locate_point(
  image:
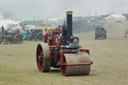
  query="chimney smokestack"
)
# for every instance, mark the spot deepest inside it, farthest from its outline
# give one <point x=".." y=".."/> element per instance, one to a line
<point x="69" y="23"/>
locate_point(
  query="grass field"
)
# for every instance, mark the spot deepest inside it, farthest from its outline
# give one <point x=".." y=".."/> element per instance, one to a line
<point x="110" y="57"/>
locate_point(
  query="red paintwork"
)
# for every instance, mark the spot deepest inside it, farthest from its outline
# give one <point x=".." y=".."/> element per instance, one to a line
<point x="39" y="53"/>
<point x="85" y="50"/>
<point x="54" y="42"/>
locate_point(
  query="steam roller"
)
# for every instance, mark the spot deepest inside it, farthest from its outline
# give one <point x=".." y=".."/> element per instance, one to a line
<point x="62" y="50"/>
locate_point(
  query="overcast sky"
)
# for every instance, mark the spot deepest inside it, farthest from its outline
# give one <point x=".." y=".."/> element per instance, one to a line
<point x="42" y="9"/>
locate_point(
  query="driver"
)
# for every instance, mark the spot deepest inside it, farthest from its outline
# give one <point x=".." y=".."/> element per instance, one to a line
<point x="47" y="34"/>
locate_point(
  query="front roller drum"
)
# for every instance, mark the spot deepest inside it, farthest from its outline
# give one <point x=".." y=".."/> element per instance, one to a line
<point x="77" y="64"/>
<point x="42" y="58"/>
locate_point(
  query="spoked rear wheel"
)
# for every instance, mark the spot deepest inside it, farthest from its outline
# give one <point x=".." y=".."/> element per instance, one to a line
<point x="42" y="58"/>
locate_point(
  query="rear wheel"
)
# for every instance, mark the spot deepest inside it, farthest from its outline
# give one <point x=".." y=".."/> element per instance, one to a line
<point x="42" y="58"/>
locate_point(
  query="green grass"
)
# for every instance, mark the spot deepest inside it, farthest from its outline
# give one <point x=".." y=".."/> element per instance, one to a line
<point x="110" y="57"/>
